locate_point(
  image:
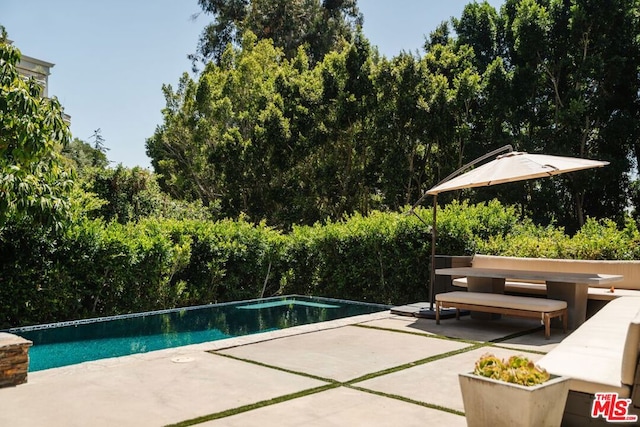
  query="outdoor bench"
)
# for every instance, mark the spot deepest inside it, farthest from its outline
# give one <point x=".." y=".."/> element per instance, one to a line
<point x="629" y="286"/>
<point x="509" y="305"/>
<point x="601" y="356"/>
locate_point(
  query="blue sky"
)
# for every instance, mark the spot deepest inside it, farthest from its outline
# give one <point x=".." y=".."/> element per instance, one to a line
<point x="112" y="57"/>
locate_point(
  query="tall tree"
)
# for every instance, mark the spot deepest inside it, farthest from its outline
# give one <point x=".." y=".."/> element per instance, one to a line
<point x="559" y="77"/>
<point x="83" y="155"/>
<point x="479" y="27"/>
<point x="319" y="25"/>
<point x="402" y="147"/>
<point x="220" y="134"/>
<point x="34" y="182"/>
<point x="575" y="88"/>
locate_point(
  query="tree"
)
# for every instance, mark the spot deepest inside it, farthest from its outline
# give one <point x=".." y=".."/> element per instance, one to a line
<point x="559" y="77"/>
<point x="402" y="147"/>
<point x="220" y="134"/>
<point x="34" y="181"/>
<point x="319" y="25"/>
<point x="83" y="155"/>
<point x="283" y="134"/>
<point x="479" y="27"/>
<point x="574" y="91"/>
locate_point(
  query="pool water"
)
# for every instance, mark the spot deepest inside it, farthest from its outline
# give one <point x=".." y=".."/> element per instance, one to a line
<point x="68" y="343"/>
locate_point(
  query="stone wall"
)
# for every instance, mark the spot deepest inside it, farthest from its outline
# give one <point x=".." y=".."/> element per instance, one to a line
<point x="14" y="359"/>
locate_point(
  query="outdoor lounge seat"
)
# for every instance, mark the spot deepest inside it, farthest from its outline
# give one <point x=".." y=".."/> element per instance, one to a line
<point x="509" y="305"/>
<point x="601" y="356"/>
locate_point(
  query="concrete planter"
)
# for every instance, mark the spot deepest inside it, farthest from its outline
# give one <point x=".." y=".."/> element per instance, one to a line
<point x="489" y="402"/>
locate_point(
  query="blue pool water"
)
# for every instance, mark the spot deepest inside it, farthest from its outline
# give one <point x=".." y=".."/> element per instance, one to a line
<point x="68" y="343"/>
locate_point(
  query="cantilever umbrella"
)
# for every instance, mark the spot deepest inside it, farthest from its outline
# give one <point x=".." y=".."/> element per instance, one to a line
<point x="510" y="167"/>
<point x="515" y="166"/>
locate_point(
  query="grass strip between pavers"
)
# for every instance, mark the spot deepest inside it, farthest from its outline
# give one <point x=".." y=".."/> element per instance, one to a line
<point x="252" y="406"/>
<point x="412" y="364"/>
<point x="406" y="399"/>
<point x="419" y="334"/>
<point x="277" y="368"/>
<point x="517" y="334"/>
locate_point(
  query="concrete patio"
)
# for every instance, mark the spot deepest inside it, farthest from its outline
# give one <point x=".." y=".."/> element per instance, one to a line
<point x="374" y="370"/>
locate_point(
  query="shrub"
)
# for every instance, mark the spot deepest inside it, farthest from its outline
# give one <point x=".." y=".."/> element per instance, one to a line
<point x="98" y="269"/>
<point x="381" y="258"/>
<point x="515" y="370"/>
<point x="603" y="240"/>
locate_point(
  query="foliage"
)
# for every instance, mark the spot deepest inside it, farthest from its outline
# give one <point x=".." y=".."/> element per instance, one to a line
<point x="604" y="240"/>
<point x="285" y="134"/>
<point x="34" y="182"/>
<point x="380" y="258"/>
<point x="526" y="239"/>
<point x="97" y="268"/>
<point x="273" y="139"/>
<point x="83" y="156"/>
<point x="320" y="26"/>
<point x="515" y="370"/>
<point x="130" y="194"/>
<point x="462" y="227"/>
<point x="563" y="87"/>
<point x="597" y="239"/>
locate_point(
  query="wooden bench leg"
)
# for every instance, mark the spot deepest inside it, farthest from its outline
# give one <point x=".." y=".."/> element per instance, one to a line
<point x="437" y="312"/>
<point x="565" y="321"/>
<point x="547" y="325"/>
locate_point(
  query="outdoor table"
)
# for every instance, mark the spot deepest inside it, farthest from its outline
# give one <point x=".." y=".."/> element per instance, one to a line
<point x="570" y="287"/>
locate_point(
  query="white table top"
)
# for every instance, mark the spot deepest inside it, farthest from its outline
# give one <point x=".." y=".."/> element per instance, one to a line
<point x="546" y="276"/>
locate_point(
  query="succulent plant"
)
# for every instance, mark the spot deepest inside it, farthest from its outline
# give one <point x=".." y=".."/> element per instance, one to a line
<point x="516" y="370"/>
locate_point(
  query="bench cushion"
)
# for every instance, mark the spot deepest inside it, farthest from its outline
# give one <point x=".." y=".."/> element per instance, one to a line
<point x="629" y="269"/>
<point x="503" y="301"/>
<point x="598" y="356"/>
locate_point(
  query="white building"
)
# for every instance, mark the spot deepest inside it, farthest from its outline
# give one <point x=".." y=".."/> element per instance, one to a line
<point x="38" y="69"/>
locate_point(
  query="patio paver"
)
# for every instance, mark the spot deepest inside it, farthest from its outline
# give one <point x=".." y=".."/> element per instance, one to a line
<point x="346" y="353"/>
<point x="143" y="392"/>
<point x="465" y="328"/>
<point x="436" y="382"/>
<point x="341" y="407"/>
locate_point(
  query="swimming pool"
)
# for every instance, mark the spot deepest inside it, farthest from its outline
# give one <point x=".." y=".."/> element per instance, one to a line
<point x="68" y="343"/>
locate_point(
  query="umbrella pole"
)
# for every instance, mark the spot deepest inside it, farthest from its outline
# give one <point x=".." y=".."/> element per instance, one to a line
<point x="434" y="232"/>
<point x="431" y="312"/>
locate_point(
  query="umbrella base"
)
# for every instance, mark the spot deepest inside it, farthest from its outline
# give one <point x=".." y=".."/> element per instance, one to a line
<point x="447" y="313"/>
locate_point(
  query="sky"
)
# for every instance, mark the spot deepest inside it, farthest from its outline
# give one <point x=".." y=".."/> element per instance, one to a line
<point x="112" y="57"/>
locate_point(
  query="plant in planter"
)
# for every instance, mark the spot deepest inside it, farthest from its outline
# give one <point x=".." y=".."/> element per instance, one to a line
<point x="513" y="392"/>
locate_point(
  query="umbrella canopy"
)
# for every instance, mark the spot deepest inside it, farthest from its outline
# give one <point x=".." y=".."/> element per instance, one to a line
<point x="515" y="166"/>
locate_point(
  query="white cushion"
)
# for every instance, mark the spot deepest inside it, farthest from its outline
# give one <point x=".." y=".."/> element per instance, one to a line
<point x="629" y="269"/>
<point x="502" y="301"/>
<point x="592" y="356"/>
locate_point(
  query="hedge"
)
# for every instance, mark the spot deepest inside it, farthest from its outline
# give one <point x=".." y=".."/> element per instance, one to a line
<point x="98" y="269"/>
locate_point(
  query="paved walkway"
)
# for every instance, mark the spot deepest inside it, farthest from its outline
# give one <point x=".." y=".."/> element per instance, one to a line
<point x="373" y="370"/>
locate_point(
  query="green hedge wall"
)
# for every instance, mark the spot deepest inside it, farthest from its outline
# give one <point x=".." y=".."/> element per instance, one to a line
<point x="97" y="269"/>
<point x="381" y="258"/>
